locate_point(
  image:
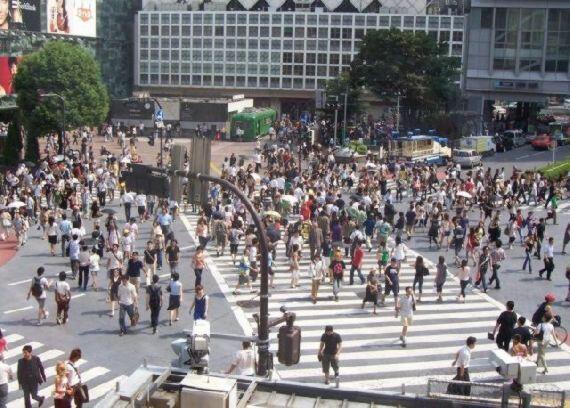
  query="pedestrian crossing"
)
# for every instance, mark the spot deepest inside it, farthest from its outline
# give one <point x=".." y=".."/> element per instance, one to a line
<point x="100" y="380"/>
<point x="372" y="355"/>
<point x="563" y="207"/>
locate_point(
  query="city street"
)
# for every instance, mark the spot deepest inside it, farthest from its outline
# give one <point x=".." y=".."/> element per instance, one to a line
<point x="372" y="356"/>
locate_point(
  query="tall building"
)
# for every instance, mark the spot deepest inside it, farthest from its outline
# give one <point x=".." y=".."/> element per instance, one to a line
<point x="279" y="55"/>
<point x="517" y="50"/>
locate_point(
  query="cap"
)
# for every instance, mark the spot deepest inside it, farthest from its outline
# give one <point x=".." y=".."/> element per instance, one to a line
<point x="550" y="297"/>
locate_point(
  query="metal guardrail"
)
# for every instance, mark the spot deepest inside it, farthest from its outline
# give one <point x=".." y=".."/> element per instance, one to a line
<point x="490" y="393"/>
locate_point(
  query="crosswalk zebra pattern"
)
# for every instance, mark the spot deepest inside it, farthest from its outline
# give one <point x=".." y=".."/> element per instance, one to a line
<point x="100" y="380"/>
<point x="372" y="355"/>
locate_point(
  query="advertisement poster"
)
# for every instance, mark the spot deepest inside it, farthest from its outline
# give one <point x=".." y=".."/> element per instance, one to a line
<point x="20" y="15"/>
<point x="72" y="17"/>
<point x="8" y="68"/>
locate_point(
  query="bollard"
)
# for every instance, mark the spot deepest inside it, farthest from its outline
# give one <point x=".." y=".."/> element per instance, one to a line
<point x="403" y="389"/>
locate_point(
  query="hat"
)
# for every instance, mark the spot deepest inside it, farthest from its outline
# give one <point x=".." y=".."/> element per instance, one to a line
<point x="550" y="297"/>
<point x="393" y="259"/>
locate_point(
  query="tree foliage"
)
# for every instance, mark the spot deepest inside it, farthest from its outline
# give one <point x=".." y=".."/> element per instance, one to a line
<point x="13" y="144"/>
<point x="413" y="65"/>
<point x="66" y="69"/>
<point x="338" y="87"/>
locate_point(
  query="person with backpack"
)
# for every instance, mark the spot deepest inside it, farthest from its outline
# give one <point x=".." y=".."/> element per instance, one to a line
<point x="38" y="290"/>
<point x="221" y="236"/>
<point x="154" y="301"/>
<point x="62" y="298"/>
<point x="337" y="267"/>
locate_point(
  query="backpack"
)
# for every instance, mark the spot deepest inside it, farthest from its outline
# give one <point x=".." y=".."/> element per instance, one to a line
<point x="220" y="228"/>
<point x="154" y="296"/>
<point x="37" y="289"/>
<point x="337" y="270"/>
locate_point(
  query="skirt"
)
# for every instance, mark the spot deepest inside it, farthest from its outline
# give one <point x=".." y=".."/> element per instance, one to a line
<point x="174" y="302"/>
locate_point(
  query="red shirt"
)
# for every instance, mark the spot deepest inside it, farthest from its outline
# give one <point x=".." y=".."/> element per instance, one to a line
<point x="357" y="257"/>
<point x="306" y="210"/>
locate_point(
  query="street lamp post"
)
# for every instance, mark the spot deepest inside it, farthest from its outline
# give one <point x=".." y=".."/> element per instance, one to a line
<point x="335" y="117"/>
<point x="264" y="357"/>
<point x="61" y="147"/>
<point x="344" y="117"/>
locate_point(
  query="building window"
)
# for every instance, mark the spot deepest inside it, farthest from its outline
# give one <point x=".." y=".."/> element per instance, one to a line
<point x="276" y="32"/>
<point x="298" y="83"/>
<point x="231" y="31"/>
<point x="298" y="70"/>
<point x="486" y="17"/>
<point x="312" y="32"/>
<point x="240" y="82"/>
<point x="264" y="32"/>
<point x="219" y="31"/>
<point x="287" y="70"/>
<point x="310" y="70"/>
<point x="286" y="82"/>
<point x="506" y="38"/>
<point x="241" y="31"/>
<point x="185" y="79"/>
<point x="253" y="31"/>
<point x="144" y="30"/>
<point x="558" y="41"/>
<point x="263" y="82"/>
<point x="275" y="83"/>
<point x="230" y="81"/>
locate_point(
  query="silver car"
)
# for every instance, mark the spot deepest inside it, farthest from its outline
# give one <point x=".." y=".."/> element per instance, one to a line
<point x="466" y="158"/>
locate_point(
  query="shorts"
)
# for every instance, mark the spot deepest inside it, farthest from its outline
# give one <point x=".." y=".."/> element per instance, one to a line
<point x="52" y="239"/>
<point x="406" y="320"/>
<point x="327" y="361"/>
<point x="135" y="280"/>
<point x="233" y="249"/>
<point x="141" y="210"/>
<point x="395" y="289"/>
<point x="41" y="302"/>
<point x="243" y="279"/>
<point x="94" y="273"/>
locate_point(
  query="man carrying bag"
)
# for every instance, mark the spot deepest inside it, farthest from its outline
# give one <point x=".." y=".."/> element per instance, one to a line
<point x="462" y="360"/>
<point x="80" y="390"/>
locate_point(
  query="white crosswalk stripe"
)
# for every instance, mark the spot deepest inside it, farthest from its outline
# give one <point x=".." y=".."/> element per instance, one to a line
<point x="99" y="379"/>
<point x="372" y="356"/>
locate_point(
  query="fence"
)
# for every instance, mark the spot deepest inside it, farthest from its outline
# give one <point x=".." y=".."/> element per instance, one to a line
<point x="539" y="396"/>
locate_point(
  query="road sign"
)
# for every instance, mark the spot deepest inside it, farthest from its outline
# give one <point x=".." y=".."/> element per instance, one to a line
<point x="159" y="115"/>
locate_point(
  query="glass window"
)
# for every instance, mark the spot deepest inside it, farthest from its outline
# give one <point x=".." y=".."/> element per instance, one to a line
<point x="207" y="43"/>
<point x="252" y="56"/>
<point x="197" y="31"/>
<point x="154" y="30"/>
<point x="287" y="57"/>
<point x="286" y="83"/>
<point x="263" y="69"/>
<point x="288" y="19"/>
<point x="275" y="44"/>
<point x="253" y="19"/>
<point x="154" y="55"/>
<point x="154" y="67"/>
<point x="299" y="19"/>
<point x="240" y="56"/>
<point x="241" y="43"/>
<point x="207" y="55"/>
<point x="143" y="54"/>
<point x="241" y="31"/>
<point x="196" y="80"/>
<point x="311" y="45"/>
<point x="165" y="43"/>
<point x="371" y="21"/>
<point x="230" y="80"/>
<point x="196" y="55"/>
<point x="240" y="69"/>
<point x="230" y="68"/>
<point x="408" y="21"/>
<point x="144" y="18"/>
<point x="276" y="19"/>
<point x="230" y="56"/>
<point x="323" y="32"/>
<point x="263" y="57"/>
<point x="444" y="36"/>
<point x="310" y="70"/>
<point x="219" y="43"/>
<point x="174" y="31"/>
<point x="174" y="43"/>
<point x="347" y="20"/>
<point x="143" y="42"/>
<point x="359" y="33"/>
<point x="185" y="68"/>
<point x="347" y="33"/>
<point x="312" y="32"/>
<point x="252" y="82"/>
<point x="287" y="70"/>
<point x="275" y="69"/>
<point x="288" y="32"/>
<point x="174" y="55"/>
<point x="396" y="21"/>
<point x="253" y="31"/>
<point x="322" y="59"/>
<point x="346" y="59"/>
<point x="218" y="55"/>
<point x="335" y="20"/>
<point x="174" y="68"/>
<point x="310" y="83"/>
<point x="323" y="19"/>
<point x="298" y="58"/>
<point x="154" y="18"/>
<point x="154" y="43"/>
<point x="230" y="43"/>
<point x="322" y="71"/>
<point x="263" y="82"/>
<point x="420" y="22"/>
<point x="144" y="30"/>
<point x="165" y="18"/>
<point x="300" y="45"/>
<point x="312" y="19"/>
<point x="311" y="58"/>
<point x="287" y="44"/>
<point x="185" y="18"/>
<point x="275" y="83"/>
<point x="219" y="31"/>
<point x="323" y="45"/>
<point x="231" y="31"/>
<point x="275" y="57"/>
<point x="253" y="44"/>
<point x="252" y="69"/>
<point x="154" y="78"/>
<point x="334" y="59"/>
<point x="384" y="21"/>
<point x="264" y="32"/>
<point x="197" y="18"/>
<point x="186" y="31"/>
<point x="334" y="45"/>
<point x="208" y="19"/>
<point x="446" y="22"/>
<point x="276" y="32"/>
<point x="298" y="83"/>
<point x="264" y="44"/>
<point x="185" y="79"/>
<point x="299" y="32"/>
<point x="231" y="18"/>
<point x="433" y="22"/>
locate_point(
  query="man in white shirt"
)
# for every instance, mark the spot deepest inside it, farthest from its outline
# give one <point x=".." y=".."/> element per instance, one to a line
<point x="405" y="309"/>
<point x="244" y="361"/>
<point x="38" y="289"/>
<point x="115" y="260"/>
<point x="548" y="259"/>
<point x="462" y="360"/>
<point x="6" y="376"/>
<point x="127" y="294"/>
<point x="127" y="201"/>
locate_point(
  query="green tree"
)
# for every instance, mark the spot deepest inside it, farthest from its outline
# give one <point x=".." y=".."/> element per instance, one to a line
<point x="413" y="65"/>
<point x="13" y="144"/>
<point x="66" y="69"/>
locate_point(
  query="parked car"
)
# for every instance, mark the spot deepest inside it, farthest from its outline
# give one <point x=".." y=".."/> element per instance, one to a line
<point x="530" y="137"/>
<point x="516" y="136"/>
<point x="542" y="142"/>
<point x="466" y="158"/>
<point x="503" y="144"/>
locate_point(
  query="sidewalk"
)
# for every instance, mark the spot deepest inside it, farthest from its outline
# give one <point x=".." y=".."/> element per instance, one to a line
<point x="8" y="250"/>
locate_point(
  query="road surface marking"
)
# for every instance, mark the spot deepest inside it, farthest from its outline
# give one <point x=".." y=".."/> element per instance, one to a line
<point x="18" y="310"/>
<point x="19" y="282"/>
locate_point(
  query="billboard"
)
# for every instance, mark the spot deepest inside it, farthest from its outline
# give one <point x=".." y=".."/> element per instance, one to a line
<point x="132" y="109"/>
<point x="8" y="68"/>
<point x="203" y="112"/>
<point x="72" y="17"/>
<point x="20" y="14"/>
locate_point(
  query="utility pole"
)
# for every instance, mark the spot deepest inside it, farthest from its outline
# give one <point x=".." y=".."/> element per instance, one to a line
<point x="398" y="114"/>
<point x="345" y="110"/>
<point x="335" y="117"/>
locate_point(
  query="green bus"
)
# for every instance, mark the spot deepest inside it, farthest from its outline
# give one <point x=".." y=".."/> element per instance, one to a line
<point x="253" y="122"/>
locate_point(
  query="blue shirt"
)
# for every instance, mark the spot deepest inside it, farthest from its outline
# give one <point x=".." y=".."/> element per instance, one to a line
<point x="164" y="219"/>
<point x="65" y="227"/>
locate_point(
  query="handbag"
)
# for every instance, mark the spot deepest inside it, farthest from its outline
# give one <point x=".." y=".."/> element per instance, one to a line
<point x="135" y="317"/>
<point x="490" y="336"/>
<point x="425" y="271"/>
<point x="80" y="391"/>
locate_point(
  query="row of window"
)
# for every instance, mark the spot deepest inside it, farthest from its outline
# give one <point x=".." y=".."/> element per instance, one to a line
<point x="290" y="19"/>
<point x="284" y="70"/>
<point x="233" y="81"/>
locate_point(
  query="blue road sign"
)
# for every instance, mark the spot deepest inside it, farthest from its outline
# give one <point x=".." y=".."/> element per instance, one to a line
<point x="159" y="115"/>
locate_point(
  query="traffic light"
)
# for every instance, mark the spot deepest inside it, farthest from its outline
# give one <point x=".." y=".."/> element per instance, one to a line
<point x="289" y="347"/>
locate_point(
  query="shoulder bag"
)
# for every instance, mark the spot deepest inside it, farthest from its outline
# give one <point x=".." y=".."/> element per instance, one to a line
<point x="80" y="390"/>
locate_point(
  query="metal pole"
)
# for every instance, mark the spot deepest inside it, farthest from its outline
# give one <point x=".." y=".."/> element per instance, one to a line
<point x="63" y="125"/>
<point x="263" y="328"/>
<point x="335" y="121"/>
<point x="161" y="135"/>
<point x="398" y="114"/>
<point x="344" y="117"/>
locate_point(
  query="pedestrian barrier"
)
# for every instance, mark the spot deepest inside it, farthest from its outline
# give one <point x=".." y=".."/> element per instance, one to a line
<point x="493" y="393"/>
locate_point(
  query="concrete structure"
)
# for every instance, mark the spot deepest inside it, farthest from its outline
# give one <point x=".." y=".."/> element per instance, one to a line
<point x="517" y="50"/>
<point x="272" y="56"/>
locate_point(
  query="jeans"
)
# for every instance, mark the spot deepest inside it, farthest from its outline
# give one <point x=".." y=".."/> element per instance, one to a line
<point x="127" y="211"/>
<point x="173" y="267"/>
<point x="357" y="269"/>
<point x="83" y="277"/>
<point x="419" y="279"/>
<point x="128" y="309"/>
<point x="3" y="395"/>
<point x="198" y="273"/>
<point x="154" y="311"/>
<point x="482" y="280"/>
<point x="495" y="277"/>
<point x="159" y="258"/>
<point x="30" y="391"/>
<point x="527" y="260"/>
<point x="337" y="282"/>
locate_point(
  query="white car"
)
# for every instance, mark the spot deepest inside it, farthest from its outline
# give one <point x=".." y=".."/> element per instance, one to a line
<point x="466" y="158"/>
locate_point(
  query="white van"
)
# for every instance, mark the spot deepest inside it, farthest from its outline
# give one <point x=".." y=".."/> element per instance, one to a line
<point x="484" y="145"/>
<point x="466" y="158"/>
<point x="516" y="136"/>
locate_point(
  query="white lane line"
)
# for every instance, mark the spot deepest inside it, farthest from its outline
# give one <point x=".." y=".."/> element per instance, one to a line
<point x="45" y="356"/>
<point x="19" y="282"/>
<point x="50" y="372"/>
<point x="102" y="389"/>
<point x="224" y="288"/>
<point x="164" y="275"/>
<point x="78" y="295"/>
<point x="18" y="310"/>
<point x="12" y="338"/>
<point x="16" y="352"/>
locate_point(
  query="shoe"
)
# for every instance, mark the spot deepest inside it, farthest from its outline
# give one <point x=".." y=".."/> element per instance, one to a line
<point x="121" y="334"/>
<point x="327" y="382"/>
<point x="497" y="287"/>
<point x="154" y="330"/>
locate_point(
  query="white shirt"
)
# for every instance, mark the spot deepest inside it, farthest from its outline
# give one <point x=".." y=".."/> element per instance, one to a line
<point x="6" y="373"/>
<point x="244" y="361"/>
<point x="549" y="251"/>
<point x="406" y="306"/>
<point x="127" y="293"/>
<point x="464" y="357"/>
<point x="94" y="262"/>
<point x="72" y="377"/>
<point x="62" y="287"/>
<point x="548" y="330"/>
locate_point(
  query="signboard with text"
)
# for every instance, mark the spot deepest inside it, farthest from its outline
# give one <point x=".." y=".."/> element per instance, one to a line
<point x="72" y="17"/>
<point x="20" y="15"/>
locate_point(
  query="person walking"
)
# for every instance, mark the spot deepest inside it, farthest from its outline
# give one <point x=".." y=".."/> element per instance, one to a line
<point x="200" y="304"/>
<point x="356" y="263"/>
<point x="134" y="270"/>
<point x="566" y="239"/>
<point x="544" y="332"/>
<point x="38" y="290"/>
<point x="149" y="256"/>
<point x="62" y="393"/>
<point x="405" y="308"/>
<point x="497" y="256"/>
<point x="6" y="376"/>
<point x="154" y="301"/>
<point x="337" y="267"/>
<point x="505" y="325"/>
<point x="420" y="271"/>
<point x="31" y="375"/>
<point x="175" y="298"/>
<point x="127" y="297"/>
<point x="371" y="295"/>
<point x="62" y="298"/>
<point x="51" y="232"/>
<point x="329" y="352"/>
<point x="317" y="270"/>
<point x="464" y="276"/>
<point x="244" y="361"/>
<point x="74" y="378"/>
<point x="483" y="267"/>
<point x="528" y="245"/>
<point x="392" y="282"/>
<point x="198" y="261"/>
<point x="461" y="362"/>
<point x="172" y="253"/>
<point x="94" y="267"/>
<point x="440" y="278"/>
<point x="84" y="263"/>
<point x="548" y="260"/>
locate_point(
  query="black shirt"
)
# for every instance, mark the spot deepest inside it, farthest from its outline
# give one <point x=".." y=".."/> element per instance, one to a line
<point x="507" y="320"/>
<point x="524" y="332"/>
<point x="331" y="342"/>
<point x="134" y="268"/>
